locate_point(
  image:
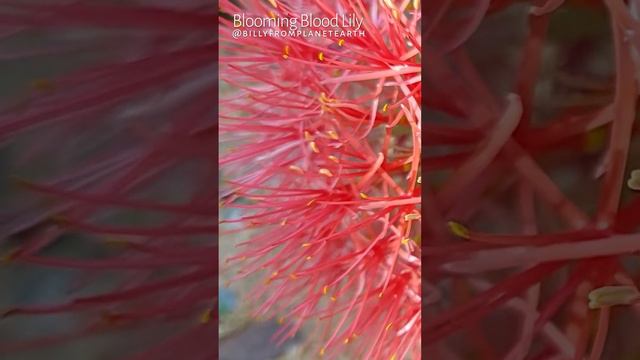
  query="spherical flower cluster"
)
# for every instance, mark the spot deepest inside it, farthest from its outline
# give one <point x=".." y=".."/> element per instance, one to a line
<point x="321" y="140"/>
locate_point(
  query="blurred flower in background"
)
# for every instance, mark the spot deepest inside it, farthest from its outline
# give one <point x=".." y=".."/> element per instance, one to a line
<point x="531" y="144"/>
<point x="109" y="158"/>
<point x="320" y="168"/>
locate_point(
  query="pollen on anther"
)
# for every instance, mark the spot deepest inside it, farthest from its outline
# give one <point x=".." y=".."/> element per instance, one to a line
<point x="458" y="229"/>
<point x="385" y="107"/>
<point x="388" y="327"/>
<point x="273" y="3"/>
<point x="285" y="52"/>
<point x="324" y="98"/>
<point x="332" y="134"/>
<point x="634" y="180"/>
<point x="307" y="136"/>
<point x="306" y="244"/>
<point x="341" y="42"/>
<point x="321" y="56"/>
<point x="613" y="295"/>
<point x="333" y="298"/>
<point x="404" y="241"/>
<point x="296" y="169"/>
<point x="42" y="84"/>
<point x="411" y="216"/>
<point x="333" y="158"/>
<point x="314" y="147"/>
<point x="325" y="172"/>
<point x="325" y="290"/>
<point x="308" y="258"/>
<point x="364" y="196"/>
<point x="206" y="316"/>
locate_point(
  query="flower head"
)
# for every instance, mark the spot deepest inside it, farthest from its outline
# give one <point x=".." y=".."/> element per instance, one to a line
<point x="323" y="162"/>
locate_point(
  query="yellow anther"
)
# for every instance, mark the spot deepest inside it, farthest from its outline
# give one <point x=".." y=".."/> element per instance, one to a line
<point x="308" y="258"/>
<point x="293" y="276"/>
<point x="306" y="245"/>
<point x="314" y="147"/>
<point x="341" y="42"/>
<point x="311" y="202"/>
<point x="613" y="295"/>
<point x="296" y="169"/>
<point x="634" y="180"/>
<point x="389" y="4"/>
<point x="325" y="172"/>
<point x="346" y="340"/>
<point x="117" y="243"/>
<point x="322" y="352"/>
<point x="274" y="274"/>
<point x="380" y="294"/>
<point x="285" y="52"/>
<point x="364" y="196"/>
<point x="325" y="290"/>
<point x="325" y="99"/>
<point x="393" y="357"/>
<point x="419" y="180"/>
<point x="411" y="216"/>
<point x="43" y="85"/>
<point x="272" y="15"/>
<point x="332" y="134"/>
<point x="10" y="255"/>
<point x="321" y="56"/>
<point x="388" y="327"/>
<point x="283" y="222"/>
<point x="594" y="140"/>
<point x="333" y="158"/>
<point x="273" y="3"/>
<point x="307" y="136"/>
<point x="404" y="241"/>
<point x="385" y="107"/>
<point x="333" y="298"/>
<point x="458" y="229"/>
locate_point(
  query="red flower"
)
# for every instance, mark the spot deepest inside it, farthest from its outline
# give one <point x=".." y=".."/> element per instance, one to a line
<point x="321" y="139"/>
<point x="539" y="181"/>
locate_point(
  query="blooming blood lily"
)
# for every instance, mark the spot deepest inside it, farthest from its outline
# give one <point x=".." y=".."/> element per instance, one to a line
<point x="113" y="151"/>
<point x="531" y="215"/>
<point x="321" y="150"/>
